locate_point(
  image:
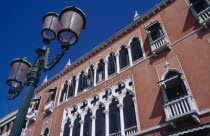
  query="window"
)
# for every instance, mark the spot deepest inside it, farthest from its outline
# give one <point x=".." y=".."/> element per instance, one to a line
<point x="114" y="117"/>
<point x="174" y="85"/>
<point x="46" y="132"/>
<point x="36" y="106"/>
<point x="87" y="124"/>
<point x="72" y="87"/>
<point x="100" y="121"/>
<point x="67" y="128"/>
<point x="111" y="64"/>
<point x="123" y="58"/>
<point x="76" y="128"/>
<point x="129" y="117"/>
<point x="155" y="30"/>
<point x="64" y="91"/>
<point x="52" y="94"/>
<point x="199" y="5"/>
<point x="136" y="50"/>
<point x="90" y="76"/>
<point x="82" y="81"/>
<point x="100" y="71"/>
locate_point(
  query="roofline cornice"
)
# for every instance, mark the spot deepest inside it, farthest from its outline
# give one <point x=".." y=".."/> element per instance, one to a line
<point x="106" y="43"/>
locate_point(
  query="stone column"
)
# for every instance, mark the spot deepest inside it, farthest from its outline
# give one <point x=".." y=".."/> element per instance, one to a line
<point x="71" y="130"/>
<point x="106" y="112"/>
<point x="136" y="114"/>
<point x="95" y="70"/>
<point x="93" y="117"/>
<point x="76" y="87"/>
<point x="118" y="63"/>
<point x="120" y="106"/>
<point x="106" y="69"/>
<point x="129" y="55"/>
<point x="81" y="127"/>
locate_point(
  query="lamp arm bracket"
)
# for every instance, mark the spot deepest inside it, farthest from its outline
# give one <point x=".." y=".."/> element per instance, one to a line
<point x="57" y="58"/>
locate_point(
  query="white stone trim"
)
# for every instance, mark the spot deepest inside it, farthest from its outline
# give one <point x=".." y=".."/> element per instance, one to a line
<point x="8" y="118"/>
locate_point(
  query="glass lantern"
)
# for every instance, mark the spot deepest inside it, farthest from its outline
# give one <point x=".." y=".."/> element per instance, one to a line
<point x="18" y="73"/>
<point x="72" y="21"/>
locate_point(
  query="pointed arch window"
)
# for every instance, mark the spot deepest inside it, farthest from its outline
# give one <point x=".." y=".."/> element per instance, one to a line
<point x="123" y="57"/>
<point x="90" y="76"/>
<point x="36" y="106"/>
<point x="64" y="91"/>
<point x="101" y="70"/>
<point x="87" y="124"/>
<point x="71" y="89"/>
<point x="114" y="117"/>
<point x="174" y="86"/>
<point x="82" y="81"/>
<point x="129" y="117"/>
<point x="46" y="132"/>
<point x="76" y="128"/>
<point x="100" y="121"/>
<point x="67" y="128"/>
<point x="136" y="50"/>
<point x="52" y="94"/>
<point x="111" y="64"/>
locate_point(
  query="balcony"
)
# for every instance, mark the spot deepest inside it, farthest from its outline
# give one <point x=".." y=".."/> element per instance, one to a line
<point x="159" y="44"/>
<point x="130" y="131"/>
<point x="49" y="107"/>
<point x="116" y="134"/>
<point x="204" y="17"/>
<point x="32" y="115"/>
<point x="179" y="108"/>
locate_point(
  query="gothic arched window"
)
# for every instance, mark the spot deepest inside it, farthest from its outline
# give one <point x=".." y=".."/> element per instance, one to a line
<point x="100" y="71"/>
<point x="87" y="124"/>
<point x="123" y="57"/>
<point x="136" y="50"/>
<point x="67" y="128"/>
<point x="52" y="94"/>
<point x="76" y="128"/>
<point x="72" y="87"/>
<point x="114" y="117"/>
<point x="174" y="86"/>
<point x="36" y="107"/>
<point x="46" y="132"/>
<point x="90" y="76"/>
<point x="129" y="117"/>
<point x="100" y="121"/>
<point x="111" y="64"/>
<point x="82" y="81"/>
<point x="64" y="91"/>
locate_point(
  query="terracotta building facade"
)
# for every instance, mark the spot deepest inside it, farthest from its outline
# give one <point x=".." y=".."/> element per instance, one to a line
<point x="150" y="78"/>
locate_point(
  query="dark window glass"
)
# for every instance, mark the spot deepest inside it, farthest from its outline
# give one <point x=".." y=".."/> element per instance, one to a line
<point x="37" y="104"/>
<point x="82" y="82"/>
<point x="87" y="124"/>
<point x="52" y="95"/>
<point x="100" y="121"/>
<point x="136" y="50"/>
<point x="46" y="132"/>
<point x="100" y="71"/>
<point x="129" y="117"/>
<point x="76" y="128"/>
<point x="72" y="87"/>
<point x="124" y="59"/>
<point x="90" y="76"/>
<point x="114" y="117"/>
<point x="199" y="7"/>
<point x="64" y="92"/>
<point x="156" y="33"/>
<point x="111" y="64"/>
<point x="67" y="128"/>
<point x="174" y="87"/>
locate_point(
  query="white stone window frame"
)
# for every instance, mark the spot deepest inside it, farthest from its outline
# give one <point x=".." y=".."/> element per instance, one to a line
<point x="105" y="104"/>
<point x="191" y="6"/>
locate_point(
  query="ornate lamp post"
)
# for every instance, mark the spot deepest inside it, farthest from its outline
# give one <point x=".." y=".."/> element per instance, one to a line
<point x="67" y="27"/>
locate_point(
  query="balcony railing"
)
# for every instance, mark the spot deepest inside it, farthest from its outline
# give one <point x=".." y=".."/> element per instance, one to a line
<point x="159" y="44"/>
<point x="204" y="16"/>
<point x="180" y="107"/>
<point x="130" y="131"/>
<point x="49" y="106"/>
<point x="32" y="115"/>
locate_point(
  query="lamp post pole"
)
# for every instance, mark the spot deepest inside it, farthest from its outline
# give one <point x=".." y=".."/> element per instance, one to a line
<point x="21" y="71"/>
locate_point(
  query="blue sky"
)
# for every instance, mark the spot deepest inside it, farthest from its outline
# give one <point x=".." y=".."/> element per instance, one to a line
<point x="20" y="28"/>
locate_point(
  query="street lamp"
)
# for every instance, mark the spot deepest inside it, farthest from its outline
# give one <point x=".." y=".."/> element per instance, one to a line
<point x="66" y="27"/>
